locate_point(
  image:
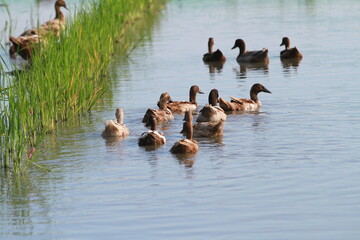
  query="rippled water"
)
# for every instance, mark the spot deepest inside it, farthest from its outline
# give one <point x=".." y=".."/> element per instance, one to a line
<point x="290" y="172"/>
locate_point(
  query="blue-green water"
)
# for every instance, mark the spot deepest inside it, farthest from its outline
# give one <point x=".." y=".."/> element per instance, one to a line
<point x="290" y="172"/>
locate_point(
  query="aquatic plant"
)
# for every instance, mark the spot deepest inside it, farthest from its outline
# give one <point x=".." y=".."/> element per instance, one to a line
<point x="66" y="78"/>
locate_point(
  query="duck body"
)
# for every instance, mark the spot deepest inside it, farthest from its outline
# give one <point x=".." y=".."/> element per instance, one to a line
<point x="56" y="25"/>
<point x="152" y="137"/>
<point x="116" y="128"/>
<point x="24" y="46"/>
<point x="206" y="129"/>
<point x="243" y="104"/>
<point x="184" y="106"/>
<point x="162" y="114"/>
<point x="289" y="53"/>
<point x="211" y="112"/>
<point x="187" y="145"/>
<point x="250" y="56"/>
<point x="211" y="56"/>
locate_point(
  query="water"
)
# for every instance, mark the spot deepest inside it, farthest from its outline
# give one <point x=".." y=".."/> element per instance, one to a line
<point x="290" y="172"/>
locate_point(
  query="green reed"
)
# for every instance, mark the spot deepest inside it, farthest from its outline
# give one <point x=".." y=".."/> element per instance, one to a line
<point x="66" y="77"/>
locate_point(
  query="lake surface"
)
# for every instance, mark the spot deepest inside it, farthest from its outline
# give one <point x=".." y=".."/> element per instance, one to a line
<point x="291" y="171"/>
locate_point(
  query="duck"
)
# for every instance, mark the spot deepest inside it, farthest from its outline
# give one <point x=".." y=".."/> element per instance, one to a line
<point x="183" y="106"/>
<point x="54" y="26"/>
<point x="24" y="46"/>
<point x="211" y="56"/>
<point x="163" y="114"/>
<point x="152" y="137"/>
<point x="242" y="104"/>
<point x="289" y="53"/>
<point x="116" y="128"/>
<point x="186" y="145"/>
<point x="204" y="129"/>
<point x="211" y="112"/>
<point x="250" y="56"/>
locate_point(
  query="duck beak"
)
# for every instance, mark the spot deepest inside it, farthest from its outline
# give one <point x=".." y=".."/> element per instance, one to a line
<point x="266" y="90"/>
<point x="66" y="8"/>
<point x="282" y="44"/>
<point x="201" y="92"/>
<point x="233" y="47"/>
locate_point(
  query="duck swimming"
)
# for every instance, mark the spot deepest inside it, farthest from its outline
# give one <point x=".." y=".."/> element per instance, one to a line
<point x="116" y="128"/>
<point x="242" y="104"/>
<point x="152" y="137"/>
<point x="211" y="56"/>
<point x="250" y="56"/>
<point x="162" y="114"/>
<point x="183" y="106"/>
<point x="289" y="53"/>
<point x="186" y="145"/>
<point x="211" y="112"/>
<point x="204" y="129"/>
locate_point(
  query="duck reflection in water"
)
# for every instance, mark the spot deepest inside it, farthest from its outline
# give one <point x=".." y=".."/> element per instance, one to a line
<point x="215" y="66"/>
<point x="259" y="67"/>
<point x="290" y="66"/>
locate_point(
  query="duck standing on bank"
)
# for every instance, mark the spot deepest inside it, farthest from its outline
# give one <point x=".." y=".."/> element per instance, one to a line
<point x="289" y="53"/>
<point x="250" y="56"/>
<point x="152" y="137"/>
<point x="211" y="112"/>
<point x="116" y="128"/>
<point x="162" y="114"/>
<point x="211" y="56"/>
<point x="186" y="145"/>
<point x="243" y="104"/>
<point x="183" y="106"/>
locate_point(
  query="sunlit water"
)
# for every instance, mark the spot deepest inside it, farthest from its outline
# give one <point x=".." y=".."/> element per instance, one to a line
<point x="289" y="172"/>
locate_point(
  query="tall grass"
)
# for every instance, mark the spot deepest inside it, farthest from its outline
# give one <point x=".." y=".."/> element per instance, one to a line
<point x="66" y="77"/>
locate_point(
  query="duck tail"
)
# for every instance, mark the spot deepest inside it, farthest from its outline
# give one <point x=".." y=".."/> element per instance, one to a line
<point x="225" y="105"/>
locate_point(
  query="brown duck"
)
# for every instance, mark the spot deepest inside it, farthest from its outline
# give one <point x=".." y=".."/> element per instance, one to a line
<point x="289" y="53"/>
<point x="243" y="104"/>
<point x="250" y="56"/>
<point x="211" y="56"/>
<point x="211" y="112"/>
<point x="186" y="145"/>
<point x="183" y="106"/>
<point x="152" y="137"/>
<point x="162" y="114"/>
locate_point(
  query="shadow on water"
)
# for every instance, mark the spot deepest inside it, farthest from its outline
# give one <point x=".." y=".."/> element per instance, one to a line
<point x="290" y="66"/>
<point x="215" y="67"/>
<point x="245" y="68"/>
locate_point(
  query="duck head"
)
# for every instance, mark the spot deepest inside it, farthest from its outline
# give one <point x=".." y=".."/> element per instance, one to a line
<point x="213" y="97"/>
<point x="255" y="89"/>
<point x="12" y="52"/>
<point x="240" y="44"/>
<point x="60" y="3"/>
<point x="192" y="94"/>
<point x="286" y="42"/>
<point x="164" y="100"/>
<point x="119" y="115"/>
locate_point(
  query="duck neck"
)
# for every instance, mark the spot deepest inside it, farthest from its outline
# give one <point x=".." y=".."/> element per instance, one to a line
<point x="213" y="98"/>
<point x="192" y="97"/>
<point x="163" y="105"/>
<point x="188" y="125"/>
<point x="153" y="125"/>
<point x="210" y="46"/>
<point x="59" y="15"/>
<point x="253" y="95"/>
<point x="119" y="118"/>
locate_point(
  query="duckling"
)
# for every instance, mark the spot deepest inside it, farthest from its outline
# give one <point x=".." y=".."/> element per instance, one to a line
<point x="183" y="106"/>
<point x="211" y="112"/>
<point x="211" y="56"/>
<point x="187" y="145"/>
<point x="116" y="128"/>
<point x="204" y="129"/>
<point x="243" y="104"/>
<point x="162" y="114"/>
<point x="152" y="137"/>
<point x="289" y="52"/>
<point x="23" y="45"/>
<point x="250" y="56"/>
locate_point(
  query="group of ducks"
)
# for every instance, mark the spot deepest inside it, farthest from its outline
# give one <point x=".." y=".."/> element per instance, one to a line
<point x="251" y="56"/>
<point x="25" y="43"/>
<point x="209" y="122"/>
<point x="211" y="117"/>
